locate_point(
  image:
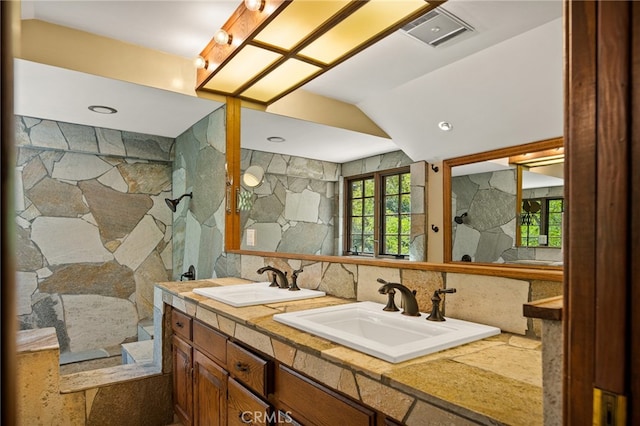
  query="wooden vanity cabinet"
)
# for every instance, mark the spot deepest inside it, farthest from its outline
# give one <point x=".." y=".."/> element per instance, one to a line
<point x="209" y="392"/>
<point x="219" y="381"/>
<point x="210" y="376"/>
<point x="244" y="408"/>
<point x="199" y="374"/>
<point x="311" y="403"/>
<point x="182" y="366"/>
<point x="249" y="369"/>
<point x="204" y="393"/>
<point x="182" y="380"/>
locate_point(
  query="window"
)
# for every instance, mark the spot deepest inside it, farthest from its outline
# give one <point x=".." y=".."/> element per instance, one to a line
<point x="378" y="209"/>
<point x="541" y="222"/>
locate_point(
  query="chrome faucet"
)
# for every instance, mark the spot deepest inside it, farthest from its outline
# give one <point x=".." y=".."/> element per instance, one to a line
<point x="409" y="302"/>
<point x="436" y="315"/>
<point x="279" y="277"/>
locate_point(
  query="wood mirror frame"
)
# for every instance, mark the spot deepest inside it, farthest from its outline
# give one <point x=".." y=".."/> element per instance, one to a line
<point x="447" y="165"/>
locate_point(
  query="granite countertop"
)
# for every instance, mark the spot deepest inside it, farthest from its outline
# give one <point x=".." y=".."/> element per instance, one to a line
<point x="499" y="378"/>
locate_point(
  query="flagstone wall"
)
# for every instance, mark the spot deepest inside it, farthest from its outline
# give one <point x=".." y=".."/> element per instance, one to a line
<point x="489" y="229"/>
<point x="199" y="222"/>
<point x="295" y="208"/>
<point x="93" y="232"/>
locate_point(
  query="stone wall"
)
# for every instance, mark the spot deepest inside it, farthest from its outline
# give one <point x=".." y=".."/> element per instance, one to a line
<point x="297" y="208"/>
<point x="199" y="222"/>
<point x="123" y="395"/>
<point x="491" y="300"/>
<point x="93" y="232"/>
<point x="294" y="210"/>
<point x="489" y="229"/>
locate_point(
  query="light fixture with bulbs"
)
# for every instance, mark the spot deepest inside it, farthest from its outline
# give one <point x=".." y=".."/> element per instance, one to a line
<point x="222" y="37"/>
<point x="254" y="5"/>
<point x="200" y="62"/>
<point x="268" y="48"/>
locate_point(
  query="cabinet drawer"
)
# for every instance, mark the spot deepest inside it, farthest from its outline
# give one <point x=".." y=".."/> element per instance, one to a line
<point x="181" y="324"/>
<point x="311" y="403"/>
<point x="211" y="342"/>
<point x="248" y="368"/>
<point x="244" y="408"/>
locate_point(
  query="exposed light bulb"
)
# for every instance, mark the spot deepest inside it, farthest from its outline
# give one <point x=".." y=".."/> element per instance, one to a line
<point x="200" y="63"/>
<point x="222" y="37"/>
<point x="254" y="5"/>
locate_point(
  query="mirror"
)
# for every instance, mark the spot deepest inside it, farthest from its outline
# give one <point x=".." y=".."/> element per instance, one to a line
<point x="506" y="206"/>
<point x="410" y="113"/>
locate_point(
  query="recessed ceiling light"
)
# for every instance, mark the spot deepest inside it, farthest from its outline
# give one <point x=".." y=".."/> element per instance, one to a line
<point x="101" y="109"/>
<point x="276" y="139"/>
<point x="445" y="126"/>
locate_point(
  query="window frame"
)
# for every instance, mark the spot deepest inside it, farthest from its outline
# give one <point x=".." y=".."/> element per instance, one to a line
<point x="378" y="213"/>
<point x="544" y="221"/>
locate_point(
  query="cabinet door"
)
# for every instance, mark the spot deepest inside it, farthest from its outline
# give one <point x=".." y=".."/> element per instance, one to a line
<point x="182" y="380"/>
<point x="210" y="392"/>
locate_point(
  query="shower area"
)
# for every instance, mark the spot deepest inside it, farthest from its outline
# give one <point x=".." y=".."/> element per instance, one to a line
<point x="93" y="236"/>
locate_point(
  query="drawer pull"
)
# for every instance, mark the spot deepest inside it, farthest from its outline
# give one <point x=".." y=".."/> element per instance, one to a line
<point x="240" y="366"/>
<point x="179" y="324"/>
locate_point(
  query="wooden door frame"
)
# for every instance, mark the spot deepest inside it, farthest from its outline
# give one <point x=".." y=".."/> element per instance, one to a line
<point x="601" y="280"/>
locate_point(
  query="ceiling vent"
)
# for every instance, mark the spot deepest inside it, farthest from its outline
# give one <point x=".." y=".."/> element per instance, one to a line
<point x="436" y="27"/>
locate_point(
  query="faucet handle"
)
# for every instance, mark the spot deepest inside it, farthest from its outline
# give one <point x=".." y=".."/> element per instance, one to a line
<point x="274" y="281"/>
<point x="294" y="280"/>
<point x="391" y="302"/>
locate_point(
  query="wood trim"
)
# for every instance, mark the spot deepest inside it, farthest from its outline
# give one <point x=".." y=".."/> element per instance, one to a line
<point x="510" y="151"/>
<point x="612" y="195"/>
<point x="580" y="183"/>
<point x="232" y="217"/>
<point x="518" y="241"/>
<point x="447" y="216"/>
<point x="634" y="267"/>
<point x="546" y="309"/>
<point x="242" y="24"/>
<point x="447" y="165"/>
<point x="9" y="29"/>
<point x="521" y="272"/>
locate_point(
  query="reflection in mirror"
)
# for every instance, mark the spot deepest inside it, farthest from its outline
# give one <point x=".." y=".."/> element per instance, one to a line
<point x="294" y="209"/>
<point x="508" y="209"/>
<point x="298" y="206"/>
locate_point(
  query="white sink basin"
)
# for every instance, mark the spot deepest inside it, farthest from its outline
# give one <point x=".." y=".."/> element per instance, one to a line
<point x="255" y="294"/>
<point x="390" y="336"/>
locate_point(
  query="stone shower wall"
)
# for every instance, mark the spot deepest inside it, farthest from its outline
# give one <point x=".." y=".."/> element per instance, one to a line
<point x="199" y="222"/>
<point x="294" y="209"/>
<point x="93" y="232"/>
<point x="489" y="229"/>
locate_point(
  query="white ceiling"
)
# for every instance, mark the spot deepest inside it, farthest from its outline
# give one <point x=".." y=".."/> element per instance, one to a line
<point x="499" y="86"/>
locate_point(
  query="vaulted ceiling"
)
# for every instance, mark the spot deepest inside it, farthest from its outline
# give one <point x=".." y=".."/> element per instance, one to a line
<point x="499" y="85"/>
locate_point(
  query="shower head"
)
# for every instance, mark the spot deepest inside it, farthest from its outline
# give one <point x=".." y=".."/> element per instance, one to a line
<point x="460" y="219"/>
<point x="173" y="204"/>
